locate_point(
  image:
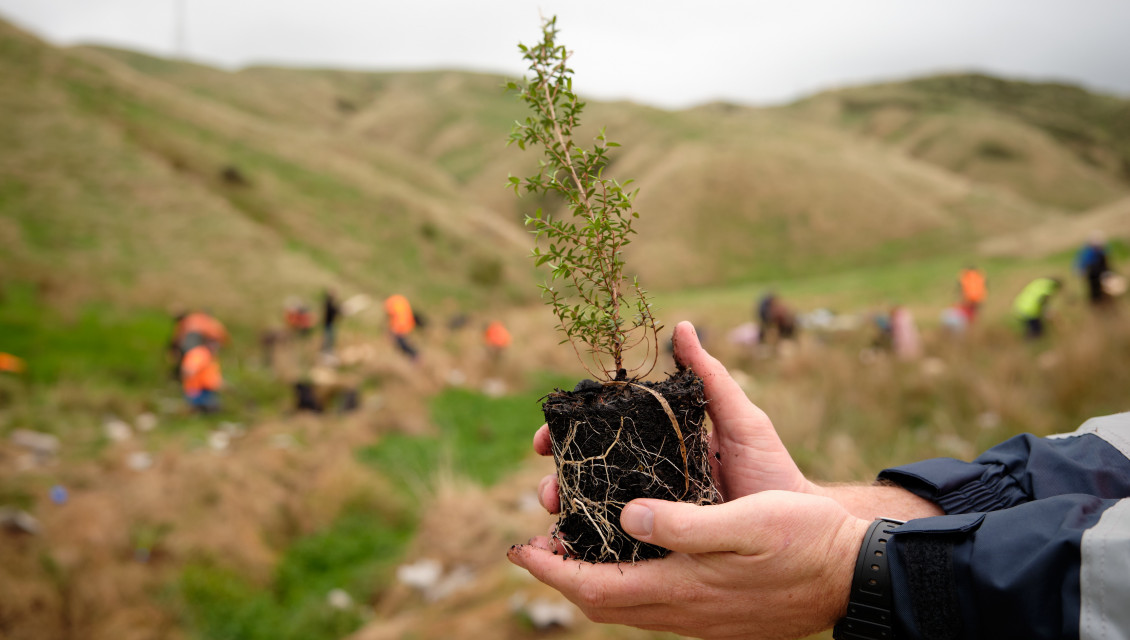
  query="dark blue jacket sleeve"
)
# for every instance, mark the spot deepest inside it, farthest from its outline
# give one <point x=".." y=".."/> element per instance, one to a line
<point x="1019" y="470"/>
<point x="1013" y="573"/>
<point x="1036" y="543"/>
<point x="1009" y="573"/>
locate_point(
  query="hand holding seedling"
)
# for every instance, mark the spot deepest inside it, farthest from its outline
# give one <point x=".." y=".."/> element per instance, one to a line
<point x="747" y="453"/>
<point x="618" y="437"/>
<point x="771" y="565"/>
<point x="774" y="561"/>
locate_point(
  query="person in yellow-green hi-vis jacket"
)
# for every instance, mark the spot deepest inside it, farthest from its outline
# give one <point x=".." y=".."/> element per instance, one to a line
<point x="1031" y="305"/>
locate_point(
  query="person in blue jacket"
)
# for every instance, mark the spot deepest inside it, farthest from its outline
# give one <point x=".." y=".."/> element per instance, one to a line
<point x="1030" y="540"/>
<point x="1092" y="263"/>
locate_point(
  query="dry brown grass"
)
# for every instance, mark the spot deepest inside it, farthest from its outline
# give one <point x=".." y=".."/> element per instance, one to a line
<point x="239" y="507"/>
<point x="469" y="527"/>
<point x="1062" y="234"/>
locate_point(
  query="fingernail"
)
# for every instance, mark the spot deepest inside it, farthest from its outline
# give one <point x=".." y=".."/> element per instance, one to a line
<point x="637" y="520"/>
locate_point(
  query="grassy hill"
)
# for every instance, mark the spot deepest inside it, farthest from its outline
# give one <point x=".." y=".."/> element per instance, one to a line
<point x="1053" y="144"/>
<point x="161" y="183"/>
<point x="125" y="187"/>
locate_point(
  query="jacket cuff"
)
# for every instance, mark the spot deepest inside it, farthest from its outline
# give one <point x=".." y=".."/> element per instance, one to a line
<point x="958" y="487"/>
<point x="926" y="602"/>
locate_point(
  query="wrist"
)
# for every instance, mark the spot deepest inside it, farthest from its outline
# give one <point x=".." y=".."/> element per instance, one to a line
<point x="872" y="501"/>
<point x="844" y="555"/>
<point x="824" y="491"/>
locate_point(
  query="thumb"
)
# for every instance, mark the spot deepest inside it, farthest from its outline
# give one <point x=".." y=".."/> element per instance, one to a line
<point x="690" y="528"/>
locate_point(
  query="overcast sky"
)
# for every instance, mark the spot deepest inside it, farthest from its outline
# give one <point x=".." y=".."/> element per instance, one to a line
<point x="662" y="52"/>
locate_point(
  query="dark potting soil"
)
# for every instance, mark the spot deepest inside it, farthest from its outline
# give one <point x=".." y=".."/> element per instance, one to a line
<point x="616" y="442"/>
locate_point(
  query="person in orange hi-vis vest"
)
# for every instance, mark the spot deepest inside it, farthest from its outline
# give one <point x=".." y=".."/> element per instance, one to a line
<point x="496" y="336"/>
<point x="200" y="375"/>
<point x="401" y="322"/>
<point x="299" y="319"/>
<point x="497" y="339"/>
<point x="971" y="283"/>
<point x="11" y="363"/>
<point x="188" y="329"/>
<point x="199" y="322"/>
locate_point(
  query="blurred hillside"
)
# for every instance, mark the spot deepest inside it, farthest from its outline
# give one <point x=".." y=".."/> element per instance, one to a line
<point x="159" y="183"/>
<point x="122" y="183"/>
<point x="1053" y="144"/>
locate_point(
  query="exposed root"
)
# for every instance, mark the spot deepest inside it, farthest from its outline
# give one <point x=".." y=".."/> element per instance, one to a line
<point x="628" y="464"/>
<point x="678" y="432"/>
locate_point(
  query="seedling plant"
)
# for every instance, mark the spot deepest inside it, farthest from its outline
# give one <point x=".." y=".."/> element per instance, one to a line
<point x="617" y="437"/>
<point x="601" y="314"/>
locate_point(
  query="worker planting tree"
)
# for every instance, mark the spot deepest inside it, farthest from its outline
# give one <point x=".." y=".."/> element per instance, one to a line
<point x="615" y="438"/>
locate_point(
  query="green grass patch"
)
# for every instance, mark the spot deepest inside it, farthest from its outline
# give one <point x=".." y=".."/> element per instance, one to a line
<point x="481" y="437"/>
<point x="113" y="346"/>
<point x="101" y="361"/>
<point x="356" y="554"/>
<point x="928" y="280"/>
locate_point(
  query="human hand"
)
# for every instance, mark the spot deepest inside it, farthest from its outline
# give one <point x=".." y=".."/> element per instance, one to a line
<point x="751" y="456"/>
<point x="746" y="453"/>
<point x="773" y="565"/>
